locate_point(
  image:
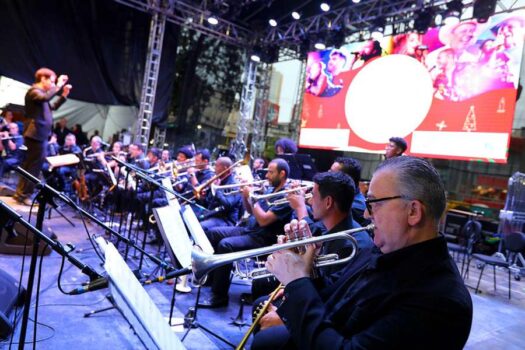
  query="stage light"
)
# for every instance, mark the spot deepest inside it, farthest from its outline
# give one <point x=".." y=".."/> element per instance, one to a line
<point x="273" y="22"/>
<point x="213" y="20"/>
<point x="325" y="7"/>
<point x="296" y="15"/>
<point x="453" y="13"/>
<point x="483" y="9"/>
<point x="320" y="46"/>
<point x="356" y="1"/>
<point x="255" y="58"/>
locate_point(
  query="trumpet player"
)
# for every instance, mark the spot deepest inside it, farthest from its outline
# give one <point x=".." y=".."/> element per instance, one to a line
<point x="11" y="143"/>
<point x="407" y="296"/>
<point x="332" y="195"/>
<point x="223" y="210"/>
<point x="261" y="230"/>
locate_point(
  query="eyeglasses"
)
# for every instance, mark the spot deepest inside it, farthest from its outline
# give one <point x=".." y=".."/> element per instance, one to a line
<point x="368" y="201"/>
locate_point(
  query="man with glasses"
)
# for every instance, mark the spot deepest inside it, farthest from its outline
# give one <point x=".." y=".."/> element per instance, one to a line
<point x="409" y="295"/>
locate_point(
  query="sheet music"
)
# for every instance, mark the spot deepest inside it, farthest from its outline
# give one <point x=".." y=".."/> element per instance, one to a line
<point x="196" y="231"/>
<point x="172" y="200"/>
<point x="175" y="234"/>
<point x="129" y="294"/>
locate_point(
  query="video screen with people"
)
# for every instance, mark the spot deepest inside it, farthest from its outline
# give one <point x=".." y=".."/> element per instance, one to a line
<point x="450" y="92"/>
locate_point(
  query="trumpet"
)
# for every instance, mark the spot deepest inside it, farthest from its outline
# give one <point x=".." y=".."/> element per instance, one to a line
<point x="202" y="263"/>
<point x="236" y="188"/>
<point x="279" y="201"/>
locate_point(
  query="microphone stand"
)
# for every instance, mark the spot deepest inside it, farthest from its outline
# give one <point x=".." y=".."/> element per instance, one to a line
<point x="55" y="245"/>
<point x="50" y="192"/>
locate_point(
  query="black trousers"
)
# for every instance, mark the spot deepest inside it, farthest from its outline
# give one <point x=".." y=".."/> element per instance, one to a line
<point x="229" y="239"/>
<point x="35" y="157"/>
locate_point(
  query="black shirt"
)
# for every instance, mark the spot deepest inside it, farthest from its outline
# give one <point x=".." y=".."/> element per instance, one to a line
<point x="413" y="298"/>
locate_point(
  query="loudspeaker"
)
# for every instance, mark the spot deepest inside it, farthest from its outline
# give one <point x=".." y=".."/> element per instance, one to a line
<point x="13" y="241"/>
<point x="10" y="296"/>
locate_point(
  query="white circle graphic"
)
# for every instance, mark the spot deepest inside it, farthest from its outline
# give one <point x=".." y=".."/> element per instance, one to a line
<point x="389" y="97"/>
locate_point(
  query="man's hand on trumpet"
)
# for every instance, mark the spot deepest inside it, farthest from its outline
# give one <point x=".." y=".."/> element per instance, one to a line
<point x="287" y="265"/>
<point x="271" y="319"/>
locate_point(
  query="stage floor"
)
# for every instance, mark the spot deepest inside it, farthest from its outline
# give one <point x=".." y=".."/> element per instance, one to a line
<point x="498" y="322"/>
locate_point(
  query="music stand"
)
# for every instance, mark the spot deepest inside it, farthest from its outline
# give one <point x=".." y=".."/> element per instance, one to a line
<point x="176" y="238"/>
<point x="172" y="200"/>
<point x="301" y="166"/>
<point x="134" y="303"/>
<point x="196" y="231"/>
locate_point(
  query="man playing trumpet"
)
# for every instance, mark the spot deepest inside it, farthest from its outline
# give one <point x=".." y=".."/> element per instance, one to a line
<point x="408" y="296"/>
<point x="263" y="226"/>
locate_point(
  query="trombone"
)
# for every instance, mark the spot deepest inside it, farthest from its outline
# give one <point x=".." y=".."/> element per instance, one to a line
<point x="203" y="263"/>
<point x="236" y="188"/>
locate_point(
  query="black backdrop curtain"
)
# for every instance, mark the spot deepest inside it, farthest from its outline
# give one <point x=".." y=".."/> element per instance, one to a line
<point x="100" y="44"/>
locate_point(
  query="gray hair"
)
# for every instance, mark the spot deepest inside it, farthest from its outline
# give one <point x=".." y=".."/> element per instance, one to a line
<point x="418" y="179"/>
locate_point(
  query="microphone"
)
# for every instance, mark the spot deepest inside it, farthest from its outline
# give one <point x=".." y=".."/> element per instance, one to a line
<point x="97" y="284"/>
<point x="357" y="53"/>
<point x="169" y="275"/>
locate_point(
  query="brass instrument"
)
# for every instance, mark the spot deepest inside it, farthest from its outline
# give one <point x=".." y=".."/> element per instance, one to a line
<point x="320" y="261"/>
<point x="236" y="188"/>
<point x="197" y="190"/>
<point x="269" y="196"/>
<point x="257" y="319"/>
<point x="203" y="263"/>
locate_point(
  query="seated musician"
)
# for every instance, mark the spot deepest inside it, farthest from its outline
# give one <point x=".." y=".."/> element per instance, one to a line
<point x="261" y="230"/>
<point x="199" y="174"/>
<point x="95" y="166"/>
<point x="352" y="167"/>
<point x="12" y="143"/>
<point x="117" y="151"/>
<point x="184" y="154"/>
<point x="166" y="156"/>
<point x="224" y="210"/>
<point x="408" y="296"/>
<point x="257" y="167"/>
<point x="137" y="157"/>
<point x="331" y="199"/>
<point x="66" y="172"/>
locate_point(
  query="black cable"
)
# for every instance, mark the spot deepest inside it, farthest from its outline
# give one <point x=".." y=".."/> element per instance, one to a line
<point x="59" y="284"/>
<point x="90" y="237"/>
<point x="34" y="339"/>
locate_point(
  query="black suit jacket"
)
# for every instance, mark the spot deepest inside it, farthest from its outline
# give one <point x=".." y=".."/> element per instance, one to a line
<point x="38" y="109"/>
<point x="412" y="298"/>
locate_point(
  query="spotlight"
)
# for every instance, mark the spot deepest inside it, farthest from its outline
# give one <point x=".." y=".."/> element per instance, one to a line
<point x="356" y="1"/>
<point x="273" y="22"/>
<point x="320" y="46"/>
<point x="255" y="58"/>
<point x="453" y="13"/>
<point x="325" y="7"/>
<point x="213" y="20"/>
<point x="483" y="9"/>
<point x="296" y="15"/>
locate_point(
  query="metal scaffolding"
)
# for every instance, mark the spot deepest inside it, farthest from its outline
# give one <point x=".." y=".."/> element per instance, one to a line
<point x="151" y="74"/>
<point x="295" y="123"/>
<point x="238" y="146"/>
<point x="260" y="119"/>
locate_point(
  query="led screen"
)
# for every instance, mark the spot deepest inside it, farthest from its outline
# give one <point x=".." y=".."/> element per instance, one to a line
<point x="450" y="92"/>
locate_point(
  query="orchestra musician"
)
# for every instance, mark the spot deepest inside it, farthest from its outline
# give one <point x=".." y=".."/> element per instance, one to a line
<point x="11" y="143"/>
<point x="184" y="153"/>
<point x="198" y="174"/>
<point x="223" y="210"/>
<point x="332" y="195"/>
<point x="263" y="225"/>
<point x="68" y="171"/>
<point x="408" y="295"/>
<point x="351" y="167"/>
<point x="137" y="157"/>
<point x="96" y="165"/>
<point x="38" y="110"/>
<point x="166" y="156"/>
